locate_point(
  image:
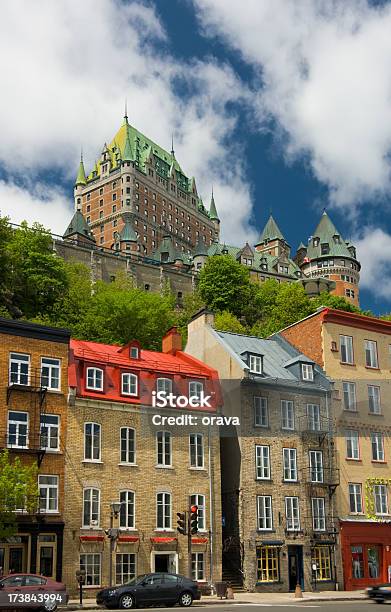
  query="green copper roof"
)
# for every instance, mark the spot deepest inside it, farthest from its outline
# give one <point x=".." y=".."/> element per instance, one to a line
<point x="127" y="151"/>
<point x="201" y="248"/>
<point x="81" y="175"/>
<point x="127" y="233"/>
<point x="258" y="258"/>
<point x="212" y="210"/>
<point x="78" y="225"/>
<point x="301" y="246"/>
<point x="271" y="231"/>
<point x="327" y="234"/>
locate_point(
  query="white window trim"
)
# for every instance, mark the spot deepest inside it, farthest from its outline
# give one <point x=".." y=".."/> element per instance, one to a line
<point x="89" y="526"/>
<point x="291" y="498"/>
<point x="315" y="453"/>
<point x="203" y="529"/>
<point x="295" y="463"/>
<point x="287" y="403"/>
<point x="307" y="372"/>
<point x="27" y="423"/>
<point x="262" y="446"/>
<point x="351" y="347"/>
<point x="95" y="370"/>
<point x="93" y="586"/>
<point x="200" y="387"/>
<point x="85" y="459"/>
<point x="134" y="377"/>
<point x="157" y="514"/>
<point x="11" y="360"/>
<point x="347" y="434"/>
<point x="49" y="427"/>
<point x="52" y="366"/>
<point x="169" y="380"/>
<point x="46" y="486"/>
<point x="255" y="359"/>
<point x="319" y="518"/>
<point x="384" y="487"/>
<point x="164" y="465"/>
<point x="133" y="528"/>
<point x="356" y="512"/>
<point x="263" y="401"/>
<point x="120" y="449"/>
<point x="259" y="528"/>
<point x="197" y="467"/>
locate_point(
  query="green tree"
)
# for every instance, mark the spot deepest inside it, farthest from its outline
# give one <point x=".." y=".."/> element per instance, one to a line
<point x="18" y="489"/>
<point x="226" y="321"/>
<point x="224" y="284"/>
<point x="334" y="301"/>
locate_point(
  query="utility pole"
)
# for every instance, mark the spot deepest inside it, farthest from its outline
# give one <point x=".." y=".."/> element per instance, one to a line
<point x="189" y="558"/>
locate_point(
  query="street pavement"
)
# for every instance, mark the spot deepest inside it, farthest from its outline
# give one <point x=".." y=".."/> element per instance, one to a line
<point x="321" y="606"/>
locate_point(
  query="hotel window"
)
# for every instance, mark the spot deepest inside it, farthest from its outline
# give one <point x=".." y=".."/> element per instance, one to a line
<point x="316" y="465"/>
<point x="307" y="371"/>
<point x="287" y="414"/>
<point x="374" y="399"/>
<point x="50" y="432"/>
<point x="18" y="429"/>
<point x="92" y="441"/>
<point x="322" y="559"/>
<point x="90" y="563"/>
<point x="126" y="513"/>
<point x="268" y="564"/>
<point x="290" y="464"/>
<point x="352" y="444"/>
<point x="196" y="388"/>
<point x="163" y="511"/>
<point x="50" y="373"/>
<point x="48" y="493"/>
<point x="313" y="417"/>
<point x="346" y="348"/>
<point x="261" y="412"/>
<point x="262" y="462"/>
<point x="94" y="379"/>
<point x="318" y="514"/>
<point x="292" y="513"/>
<point x="199" y="500"/>
<point x="380" y="496"/>
<point x="91" y="507"/>
<point x="127" y="445"/>
<point x="256" y="364"/>
<point x="196" y="442"/>
<point x="264" y="512"/>
<point x="355" y="498"/>
<point x="163" y="442"/>
<point x="371" y="354"/>
<point x="197" y="566"/>
<point x="125" y="567"/>
<point x="349" y="395"/>
<point x="129" y="384"/>
<point x="19" y="369"/>
<point x="377" y="445"/>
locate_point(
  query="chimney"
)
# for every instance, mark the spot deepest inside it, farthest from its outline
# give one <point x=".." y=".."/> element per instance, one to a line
<point x="172" y="341"/>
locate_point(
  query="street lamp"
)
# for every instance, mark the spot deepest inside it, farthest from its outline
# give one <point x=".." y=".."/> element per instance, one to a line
<point x="115" y="508"/>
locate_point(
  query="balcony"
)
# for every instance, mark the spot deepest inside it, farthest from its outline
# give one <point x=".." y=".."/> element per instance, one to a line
<point x="27" y="383"/>
<point x="319" y="529"/>
<point x="317" y="428"/>
<point x="318" y="477"/>
<point x="25" y="443"/>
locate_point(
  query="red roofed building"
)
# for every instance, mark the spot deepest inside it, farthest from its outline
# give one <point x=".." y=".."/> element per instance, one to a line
<point x="156" y="461"/>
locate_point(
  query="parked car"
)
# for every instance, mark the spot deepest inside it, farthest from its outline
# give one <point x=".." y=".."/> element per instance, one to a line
<point x="380" y="592"/>
<point x="31" y="588"/>
<point x="151" y="589"/>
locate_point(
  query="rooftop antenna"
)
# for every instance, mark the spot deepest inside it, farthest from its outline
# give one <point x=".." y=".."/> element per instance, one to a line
<point x="126" y="110"/>
<point x="172" y="145"/>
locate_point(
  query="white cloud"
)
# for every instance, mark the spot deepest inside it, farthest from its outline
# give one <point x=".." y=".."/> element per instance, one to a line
<point x="374" y="252"/>
<point x="69" y="66"/>
<point x="325" y="74"/>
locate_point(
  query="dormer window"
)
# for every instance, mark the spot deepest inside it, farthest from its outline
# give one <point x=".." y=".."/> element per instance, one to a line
<point x="264" y="266"/>
<point x="134" y="352"/>
<point x="325" y="248"/>
<point x="307" y="371"/>
<point x="94" y="379"/>
<point x="337" y="239"/>
<point x="315" y="242"/>
<point x="129" y="384"/>
<point x="256" y="364"/>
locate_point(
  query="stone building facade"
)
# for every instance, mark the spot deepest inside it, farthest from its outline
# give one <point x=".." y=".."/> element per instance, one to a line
<point x="33" y="425"/>
<point x="279" y="476"/>
<point x="117" y="453"/>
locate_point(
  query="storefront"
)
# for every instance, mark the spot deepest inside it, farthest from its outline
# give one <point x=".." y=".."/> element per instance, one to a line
<point x="366" y="553"/>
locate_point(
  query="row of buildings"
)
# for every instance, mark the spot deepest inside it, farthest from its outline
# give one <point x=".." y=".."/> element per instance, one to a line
<point x="292" y="486"/>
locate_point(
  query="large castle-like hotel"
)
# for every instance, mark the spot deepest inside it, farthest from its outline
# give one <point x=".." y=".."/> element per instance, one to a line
<point x="138" y="211"/>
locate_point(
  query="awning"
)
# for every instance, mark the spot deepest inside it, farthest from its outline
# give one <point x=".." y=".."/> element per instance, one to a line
<point x="159" y="540"/>
<point x="92" y="538"/>
<point x="199" y="540"/>
<point x="128" y="539"/>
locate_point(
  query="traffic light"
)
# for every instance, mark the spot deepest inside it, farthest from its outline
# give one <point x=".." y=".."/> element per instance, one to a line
<point x="193" y="519"/>
<point x="181" y="522"/>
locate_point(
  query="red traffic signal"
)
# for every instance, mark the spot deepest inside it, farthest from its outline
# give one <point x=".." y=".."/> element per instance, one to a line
<point x="193" y="519"/>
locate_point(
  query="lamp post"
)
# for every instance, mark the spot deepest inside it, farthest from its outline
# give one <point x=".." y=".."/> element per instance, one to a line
<point x="115" y="508"/>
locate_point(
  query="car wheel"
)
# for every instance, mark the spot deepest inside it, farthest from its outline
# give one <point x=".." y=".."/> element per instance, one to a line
<point x="50" y="606"/>
<point x="126" y="602"/>
<point x="186" y="599"/>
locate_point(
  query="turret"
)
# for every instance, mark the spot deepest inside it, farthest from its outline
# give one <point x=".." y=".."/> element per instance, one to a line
<point x="200" y="254"/>
<point x="127" y="238"/>
<point x="214" y="217"/>
<point x="78" y="230"/>
<point x="272" y="240"/>
<point x="80" y="182"/>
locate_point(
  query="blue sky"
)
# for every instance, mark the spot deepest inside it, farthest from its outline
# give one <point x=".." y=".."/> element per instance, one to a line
<point x="282" y="106"/>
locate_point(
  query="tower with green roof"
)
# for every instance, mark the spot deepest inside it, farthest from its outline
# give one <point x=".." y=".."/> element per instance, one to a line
<point x="272" y="241"/>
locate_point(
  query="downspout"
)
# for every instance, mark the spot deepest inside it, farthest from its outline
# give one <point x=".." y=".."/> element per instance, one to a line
<point x="331" y="463"/>
<point x="211" y="512"/>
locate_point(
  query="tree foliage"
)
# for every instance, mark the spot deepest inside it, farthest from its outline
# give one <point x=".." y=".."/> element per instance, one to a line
<point x="226" y="321"/>
<point x="18" y="489"/>
<point x="224" y="284"/>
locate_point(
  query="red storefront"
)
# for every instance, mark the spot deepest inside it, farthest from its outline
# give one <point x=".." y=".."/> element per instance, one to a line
<point x="366" y="553"/>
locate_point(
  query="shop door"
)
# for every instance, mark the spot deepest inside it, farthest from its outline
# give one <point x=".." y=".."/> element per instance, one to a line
<point x="366" y="568"/>
<point x="295" y="567"/>
<point x="15" y="560"/>
<point x="46" y="561"/>
<point x="2" y="561"/>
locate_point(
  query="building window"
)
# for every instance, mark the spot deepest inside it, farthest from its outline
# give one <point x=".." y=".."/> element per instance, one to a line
<point x="381" y="502"/>
<point x="313" y="417"/>
<point x="371" y="354"/>
<point x="346" y="349"/>
<point x="163" y="441"/>
<point x="268" y="564"/>
<point x="129" y="384"/>
<point x="19" y="368"/>
<point x="91" y="507"/>
<point x="196" y="442"/>
<point x="322" y="559"/>
<point x="95" y="379"/>
<point x="307" y="371"/>
<point x="197" y="566"/>
<point x="163" y="511"/>
<point x="50" y="432"/>
<point x="264" y="512"/>
<point x="287" y="414"/>
<point x="125" y="567"/>
<point x="316" y="465"/>
<point x="199" y="500"/>
<point x="292" y="513"/>
<point x="256" y="364"/>
<point x="352" y="444"/>
<point x="290" y="464"/>
<point x="262" y="462"/>
<point x="355" y="498"/>
<point x="374" y="399"/>
<point x="18" y="429"/>
<point x="50" y="373"/>
<point x="261" y="412"/>
<point x="349" y="395"/>
<point x="196" y="389"/>
<point x="48" y="493"/>
<point x="164" y="385"/>
<point x="126" y="513"/>
<point x="127" y="445"/>
<point x="377" y="445"/>
<point x="90" y="564"/>
<point x="318" y="514"/>
<point x="92" y="442"/>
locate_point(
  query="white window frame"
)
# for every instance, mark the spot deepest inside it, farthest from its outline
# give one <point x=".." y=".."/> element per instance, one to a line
<point x="198" y="499"/>
<point x="165" y="503"/>
<point x="164" y="384"/>
<point x="289" y="456"/>
<point x="164" y="435"/>
<point x="87" y="564"/>
<point x="377" y="446"/>
<point x="355" y="495"/>
<point x="316" y="465"/>
<point x="124" y="576"/>
<point x="287" y="415"/>
<point x="18" y="424"/>
<point x="354" y="441"/>
<point x="89" y="492"/>
<point x="198" y="566"/>
<point x="20" y="360"/>
<point x="318" y="508"/>
<point x="313" y="417"/>
<point x="264" y="513"/>
<point x="262" y="462"/>
<point x="196" y="388"/>
<point x="255" y="364"/>
<point x="128" y="500"/>
<point x="370" y="348"/>
<point x="349" y="395"/>
<point x="292" y="513"/>
<point x="261" y="409"/>
<point x="127" y="441"/>
<point x="53" y="375"/>
<point x="48" y="488"/>
<point x="380" y="495"/>
<point x="374" y="401"/>
<point x="94" y="425"/>
<point x="307" y="372"/>
<point x="196" y="441"/>
<point x="129" y="384"/>
<point x="346" y="349"/>
<point x="53" y="432"/>
<point x="91" y="372"/>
